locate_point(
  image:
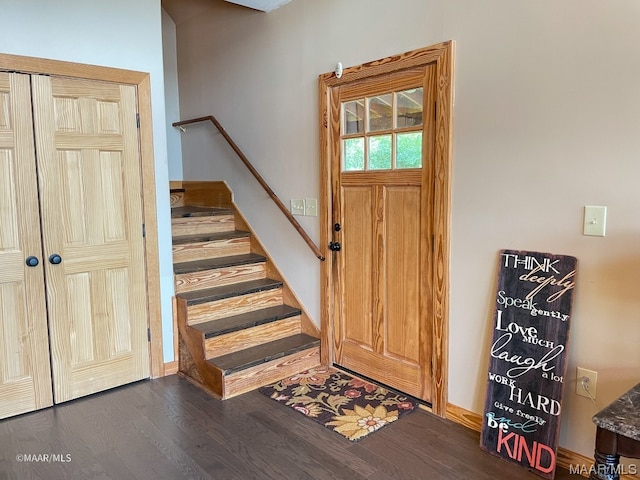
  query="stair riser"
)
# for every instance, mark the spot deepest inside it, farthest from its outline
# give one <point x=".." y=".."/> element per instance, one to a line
<point x="177" y="199"/>
<point x="189" y="252"/>
<point x="251" y="337"/>
<point x="188" y="282"/>
<point x="233" y="306"/>
<point x="270" y="372"/>
<point x="202" y="225"/>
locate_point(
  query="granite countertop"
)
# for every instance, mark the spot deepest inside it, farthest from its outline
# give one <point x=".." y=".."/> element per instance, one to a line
<point x="622" y="416"/>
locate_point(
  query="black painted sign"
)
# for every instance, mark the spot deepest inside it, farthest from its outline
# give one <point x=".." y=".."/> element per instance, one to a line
<point x="528" y="358"/>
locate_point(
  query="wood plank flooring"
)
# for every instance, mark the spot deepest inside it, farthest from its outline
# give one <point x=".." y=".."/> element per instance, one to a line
<point x="169" y="429"/>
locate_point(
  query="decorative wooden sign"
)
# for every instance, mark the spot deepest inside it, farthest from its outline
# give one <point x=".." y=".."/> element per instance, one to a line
<point x="528" y="359"/>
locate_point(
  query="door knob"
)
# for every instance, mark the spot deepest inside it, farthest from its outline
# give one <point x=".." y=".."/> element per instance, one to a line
<point x="335" y="246"/>
<point x="32" y="261"/>
<point x="55" y="259"/>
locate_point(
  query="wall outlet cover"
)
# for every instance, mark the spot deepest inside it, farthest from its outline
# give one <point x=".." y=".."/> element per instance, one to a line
<point x="591" y="382"/>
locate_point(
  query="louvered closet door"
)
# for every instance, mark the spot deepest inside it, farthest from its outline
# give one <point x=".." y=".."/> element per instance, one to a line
<point x="89" y="176"/>
<point x="25" y="382"/>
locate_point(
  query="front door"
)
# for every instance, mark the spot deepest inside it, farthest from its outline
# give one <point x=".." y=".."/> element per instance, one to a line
<point x="91" y="205"/>
<point x="382" y="331"/>
<point x="385" y="146"/>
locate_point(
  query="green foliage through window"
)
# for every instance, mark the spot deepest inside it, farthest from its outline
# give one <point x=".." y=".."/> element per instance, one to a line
<point x="380" y="152"/>
<point x="397" y="120"/>
<point x="353" y="154"/>
<point x="409" y="150"/>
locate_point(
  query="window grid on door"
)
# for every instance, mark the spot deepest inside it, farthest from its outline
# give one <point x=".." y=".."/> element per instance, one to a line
<point x="383" y="132"/>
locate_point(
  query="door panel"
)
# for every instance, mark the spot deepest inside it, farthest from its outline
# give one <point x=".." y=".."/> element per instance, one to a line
<point x="379" y="333"/>
<point x="402" y="278"/>
<point x="359" y="271"/>
<point x="405" y="378"/>
<point x="25" y="383"/>
<point x="89" y="174"/>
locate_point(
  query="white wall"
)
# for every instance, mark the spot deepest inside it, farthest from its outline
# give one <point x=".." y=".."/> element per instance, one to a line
<point x="547" y="115"/>
<point x="547" y="119"/>
<point x="119" y="34"/>
<point x="171" y="96"/>
<point x="257" y="73"/>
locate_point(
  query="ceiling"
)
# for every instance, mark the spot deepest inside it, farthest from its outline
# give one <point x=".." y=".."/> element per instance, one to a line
<point x="183" y="10"/>
<point x="262" y="5"/>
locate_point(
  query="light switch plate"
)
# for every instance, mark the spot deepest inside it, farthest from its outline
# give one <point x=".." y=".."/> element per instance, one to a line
<point x="311" y="207"/>
<point x="297" y="206"/>
<point x="595" y="220"/>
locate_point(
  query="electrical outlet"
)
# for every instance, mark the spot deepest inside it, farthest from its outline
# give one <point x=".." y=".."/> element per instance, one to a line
<point x="589" y="379"/>
<point x="297" y="207"/>
<point x="311" y="207"/>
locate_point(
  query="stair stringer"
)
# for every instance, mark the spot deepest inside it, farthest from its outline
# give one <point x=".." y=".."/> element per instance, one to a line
<point x="192" y="363"/>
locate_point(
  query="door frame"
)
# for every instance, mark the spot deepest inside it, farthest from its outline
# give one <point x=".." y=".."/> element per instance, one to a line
<point x="40" y="66"/>
<point x="438" y="205"/>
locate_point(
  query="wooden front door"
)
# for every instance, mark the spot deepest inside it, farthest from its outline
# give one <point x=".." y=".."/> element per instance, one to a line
<point x="25" y="379"/>
<point x="385" y="144"/>
<point x="91" y="206"/>
<point x="382" y="330"/>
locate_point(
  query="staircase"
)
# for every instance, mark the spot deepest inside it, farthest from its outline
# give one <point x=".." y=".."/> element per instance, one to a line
<point x="239" y="325"/>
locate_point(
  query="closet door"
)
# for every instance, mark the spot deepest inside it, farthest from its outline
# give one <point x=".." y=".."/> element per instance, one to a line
<point x="90" y="187"/>
<point x="25" y="380"/>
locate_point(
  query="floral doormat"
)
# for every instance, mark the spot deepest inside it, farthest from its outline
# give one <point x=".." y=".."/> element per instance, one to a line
<point x="347" y="405"/>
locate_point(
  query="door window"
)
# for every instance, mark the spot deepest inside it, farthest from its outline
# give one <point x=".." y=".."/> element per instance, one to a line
<point x="383" y="132"/>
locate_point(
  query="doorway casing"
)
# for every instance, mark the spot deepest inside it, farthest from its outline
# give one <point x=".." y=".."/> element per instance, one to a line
<point x="438" y="205"/>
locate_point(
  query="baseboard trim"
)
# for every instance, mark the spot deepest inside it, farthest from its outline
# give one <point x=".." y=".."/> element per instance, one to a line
<point x="464" y="417"/>
<point x="565" y="458"/>
<point x="171" y="368"/>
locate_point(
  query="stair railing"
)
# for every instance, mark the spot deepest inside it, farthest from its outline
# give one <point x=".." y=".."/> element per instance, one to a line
<point x="258" y="177"/>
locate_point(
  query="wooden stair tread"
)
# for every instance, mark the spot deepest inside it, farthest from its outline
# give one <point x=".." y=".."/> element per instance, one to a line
<point x="209" y="237"/>
<point x="188" y="211"/>
<point x="227" y="291"/>
<point x="250" y="357"/>
<point x="236" y="330"/>
<point x="217" y="262"/>
<point x="235" y="323"/>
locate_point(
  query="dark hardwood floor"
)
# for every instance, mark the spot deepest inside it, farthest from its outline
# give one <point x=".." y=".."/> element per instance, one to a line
<point x="169" y="429"/>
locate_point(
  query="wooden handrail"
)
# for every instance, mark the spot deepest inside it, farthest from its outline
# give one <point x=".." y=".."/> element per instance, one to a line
<point x="259" y="178"/>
